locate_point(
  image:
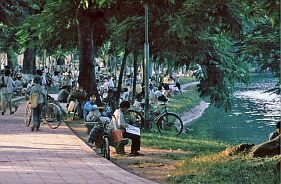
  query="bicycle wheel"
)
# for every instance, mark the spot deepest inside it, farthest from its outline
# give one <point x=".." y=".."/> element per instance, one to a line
<point x="135" y="118"/>
<point x="27" y="115"/>
<point x="53" y="116"/>
<point x="105" y="148"/>
<point x="170" y="122"/>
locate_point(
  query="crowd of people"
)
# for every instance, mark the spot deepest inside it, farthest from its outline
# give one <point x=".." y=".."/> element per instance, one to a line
<point x="13" y="82"/>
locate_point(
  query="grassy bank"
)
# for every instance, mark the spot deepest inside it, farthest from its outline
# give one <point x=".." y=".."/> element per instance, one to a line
<point x="201" y="160"/>
<point x="185" y="79"/>
<point x="189" y="159"/>
<point x="221" y="169"/>
<point x="184" y="102"/>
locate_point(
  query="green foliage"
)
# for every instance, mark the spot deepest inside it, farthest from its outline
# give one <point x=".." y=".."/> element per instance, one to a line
<point x="53" y="29"/>
<point x="12" y="13"/>
<point x="221" y="36"/>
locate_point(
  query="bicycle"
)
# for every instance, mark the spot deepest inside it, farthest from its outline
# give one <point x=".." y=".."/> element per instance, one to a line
<point x="51" y="115"/>
<point x="105" y="141"/>
<point x="166" y="121"/>
<point x="102" y="128"/>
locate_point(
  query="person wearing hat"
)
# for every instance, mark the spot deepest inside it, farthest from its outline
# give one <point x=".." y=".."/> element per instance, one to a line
<point x="6" y="91"/>
<point x="37" y="111"/>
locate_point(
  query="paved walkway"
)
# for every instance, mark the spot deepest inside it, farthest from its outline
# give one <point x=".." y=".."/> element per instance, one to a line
<point x="52" y="156"/>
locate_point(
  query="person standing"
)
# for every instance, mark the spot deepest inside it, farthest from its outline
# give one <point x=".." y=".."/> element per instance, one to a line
<point x="166" y="84"/>
<point x="37" y="111"/>
<point x="7" y="91"/>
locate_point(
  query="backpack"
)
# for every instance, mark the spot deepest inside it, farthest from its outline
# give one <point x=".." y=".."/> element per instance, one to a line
<point x="34" y="98"/>
<point x="2" y="83"/>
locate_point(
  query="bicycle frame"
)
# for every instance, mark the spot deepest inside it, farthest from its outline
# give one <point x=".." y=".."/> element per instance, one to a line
<point x="153" y="116"/>
<point x="163" y="110"/>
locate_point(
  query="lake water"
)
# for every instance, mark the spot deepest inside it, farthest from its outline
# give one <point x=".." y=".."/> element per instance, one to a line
<point x="251" y="119"/>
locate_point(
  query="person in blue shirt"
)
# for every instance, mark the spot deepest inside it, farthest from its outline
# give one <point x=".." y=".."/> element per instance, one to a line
<point x="276" y="133"/>
<point x="37" y="111"/>
<point x="91" y="110"/>
<point x="91" y="113"/>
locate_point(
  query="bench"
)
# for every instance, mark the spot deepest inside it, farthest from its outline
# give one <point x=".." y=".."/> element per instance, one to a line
<point x="90" y="125"/>
<point x="119" y="146"/>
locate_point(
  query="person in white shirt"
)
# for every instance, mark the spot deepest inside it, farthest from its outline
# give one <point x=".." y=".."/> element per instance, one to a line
<point x="121" y="124"/>
<point x="139" y="103"/>
<point x="105" y="84"/>
<point x="7" y="91"/>
<point x="111" y="83"/>
<point x="159" y="95"/>
<point x="125" y="95"/>
<point x="56" y="79"/>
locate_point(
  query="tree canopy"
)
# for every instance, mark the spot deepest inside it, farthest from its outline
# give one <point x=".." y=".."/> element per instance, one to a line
<point x="224" y="37"/>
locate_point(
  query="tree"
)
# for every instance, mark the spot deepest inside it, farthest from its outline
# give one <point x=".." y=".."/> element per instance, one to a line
<point x="13" y="12"/>
<point x="213" y="34"/>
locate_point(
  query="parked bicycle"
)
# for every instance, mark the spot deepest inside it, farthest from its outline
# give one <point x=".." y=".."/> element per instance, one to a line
<point x="51" y="115"/>
<point x="105" y="140"/>
<point x="165" y="120"/>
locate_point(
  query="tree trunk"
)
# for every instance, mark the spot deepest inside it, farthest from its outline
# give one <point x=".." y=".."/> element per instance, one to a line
<point x="12" y="58"/>
<point x="29" y="61"/>
<point x="120" y="79"/>
<point x="135" y="75"/>
<point x="143" y="71"/>
<point x="87" y="77"/>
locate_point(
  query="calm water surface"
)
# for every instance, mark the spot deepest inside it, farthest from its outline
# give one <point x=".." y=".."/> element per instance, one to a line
<point x="252" y="117"/>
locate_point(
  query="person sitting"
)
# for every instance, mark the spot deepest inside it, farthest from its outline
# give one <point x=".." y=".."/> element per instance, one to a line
<point x="159" y="95"/>
<point x="139" y="103"/>
<point x="91" y="111"/>
<point x="276" y="133"/>
<point x="121" y="125"/>
<point x="125" y="95"/>
<point x="80" y="95"/>
<point x="63" y="95"/>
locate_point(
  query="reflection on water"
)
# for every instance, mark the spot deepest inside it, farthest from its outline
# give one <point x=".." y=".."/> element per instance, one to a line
<point x="252" y="118"/>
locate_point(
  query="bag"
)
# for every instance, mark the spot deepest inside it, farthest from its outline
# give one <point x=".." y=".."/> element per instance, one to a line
<point x="2" y="83"/>
<point x="117" y="135"/>
<point x="34" y="99"/>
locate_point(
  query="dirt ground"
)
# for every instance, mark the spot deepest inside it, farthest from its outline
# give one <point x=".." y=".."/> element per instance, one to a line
<point x="153" y="165"/>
